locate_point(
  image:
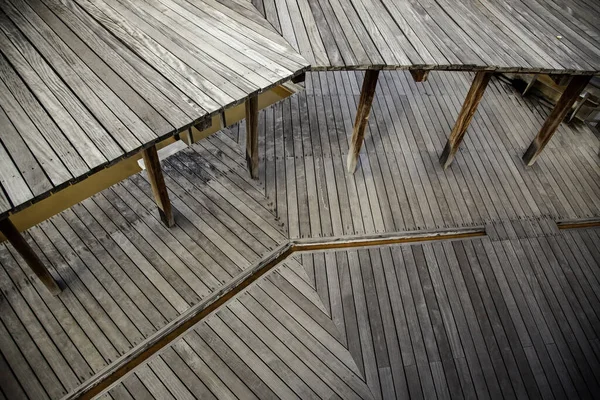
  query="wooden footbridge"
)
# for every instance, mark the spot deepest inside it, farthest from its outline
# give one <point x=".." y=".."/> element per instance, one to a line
<point x="252" y="264"/>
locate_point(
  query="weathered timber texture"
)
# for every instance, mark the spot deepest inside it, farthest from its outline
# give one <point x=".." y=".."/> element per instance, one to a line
<point x="85" y="84"/>
<point x="252" y="136"/>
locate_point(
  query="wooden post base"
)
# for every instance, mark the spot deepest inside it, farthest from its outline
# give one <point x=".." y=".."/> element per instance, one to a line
<point x="157" y="181"/>
<point x="465" y="116"/>
<point x="37" y="266"/>
<point x="362" y="117"/>
<point x="252" y="136"/>
<point x="419" y="75"/>
<point x="558" y="114"/>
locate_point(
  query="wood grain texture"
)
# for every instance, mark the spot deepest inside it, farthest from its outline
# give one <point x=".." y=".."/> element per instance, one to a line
<point x="99" y="81"/>
<point x="513" y="314"/>
<point x="252" y="136"/>
<point x="362" y="118"/>
<point x="520" y="35"/>
<point x="33" y="261"/>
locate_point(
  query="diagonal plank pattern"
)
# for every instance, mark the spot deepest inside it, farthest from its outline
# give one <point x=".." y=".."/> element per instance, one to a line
<point x="128" y="275"/>
<point x="517" y="35"/>
<point x="272" y="341"/>
<point x="84" y="84"/>
<point x="509" y="315"/>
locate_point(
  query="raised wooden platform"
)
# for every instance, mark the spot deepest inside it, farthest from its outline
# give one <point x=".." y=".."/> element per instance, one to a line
<point x="84" y="84"/>
<point x="128" y="276"/>
<point x="399" y="184"/>
<point x="517" y="35"/>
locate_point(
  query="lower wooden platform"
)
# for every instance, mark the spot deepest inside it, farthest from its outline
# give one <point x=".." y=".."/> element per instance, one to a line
<point x="126" y="274"/>
<point x="512" y="314"/>
<point x="399" y="184"/>
<point x="504" y="316"/>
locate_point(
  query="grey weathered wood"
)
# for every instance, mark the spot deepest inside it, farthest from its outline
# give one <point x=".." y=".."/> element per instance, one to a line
<point x="465" y="116"/>
<point x="15" y="238"/>
<point x="558" y="114"/>
<point x="101" y="81"/>
<point x="155" y="176"/>
<point x="362" y="117"/>
<point x="252" y="136"/>
<point x="439" y="35"/>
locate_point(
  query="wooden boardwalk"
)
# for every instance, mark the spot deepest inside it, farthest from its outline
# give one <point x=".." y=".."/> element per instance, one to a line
<point x="506" y="316"/>
<point x="84" y="84"/>
<point x="127" y="275"/>
<point x="500" y="317"/>
<point x="399" y="184"/>
<point x="515" y="35"/>
<point x="512" y="314"/>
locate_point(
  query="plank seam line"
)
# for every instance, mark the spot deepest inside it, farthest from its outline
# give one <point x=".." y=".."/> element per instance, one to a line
<point x="578" y="223"/>
<point x="112" y="374"/>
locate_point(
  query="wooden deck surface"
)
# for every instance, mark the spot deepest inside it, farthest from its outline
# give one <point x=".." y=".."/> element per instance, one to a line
<point x="84" y="84"/>
<point x="399" y="184"/>
<point x="500" y="317"/>
<point x="526" y="318"/>
<point x="127" y="275"/>
<point x="515" y="35"/>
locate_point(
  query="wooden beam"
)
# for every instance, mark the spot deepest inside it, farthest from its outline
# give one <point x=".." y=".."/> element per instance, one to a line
<point x="465" y="116"/>
<point x="157" y="181"/>
<point x="252" y="136"/>
<point x="24" y="249"/>
<point x="362" y="117"/>
<point x="558" y="114"/>
<point x="419" y="75"/>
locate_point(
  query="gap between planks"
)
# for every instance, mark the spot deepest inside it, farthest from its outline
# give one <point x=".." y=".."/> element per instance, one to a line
<point x="113" y="373"/>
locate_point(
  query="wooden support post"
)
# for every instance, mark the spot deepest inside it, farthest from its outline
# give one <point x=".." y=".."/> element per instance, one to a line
<point x="252" y="136"/>
<point x="465" y="116"/>
<point x="222" y="119"/>
<point x="299" y="78"/>
<point x="561" y="109"/>
<point x="419" y="75"/>
<point x="362" y="117"/>
<point x="157" y="181"/>
<point x="20" y="244"/>
<point x="190" y="136"/>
